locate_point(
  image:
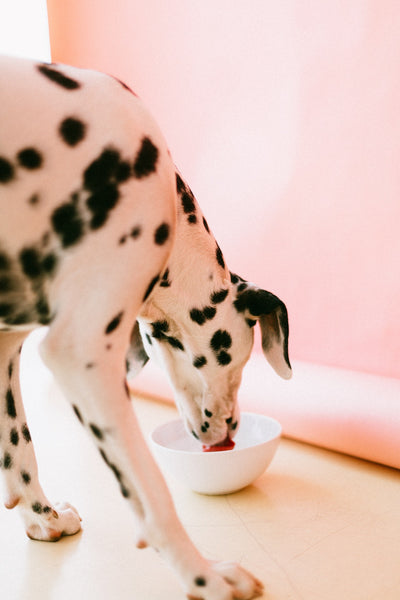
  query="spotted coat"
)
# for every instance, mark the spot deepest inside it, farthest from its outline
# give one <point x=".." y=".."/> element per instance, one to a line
<point x="102" y="241"/>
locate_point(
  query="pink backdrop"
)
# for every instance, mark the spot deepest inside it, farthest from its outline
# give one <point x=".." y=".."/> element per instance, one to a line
<point x="284" y="117"/>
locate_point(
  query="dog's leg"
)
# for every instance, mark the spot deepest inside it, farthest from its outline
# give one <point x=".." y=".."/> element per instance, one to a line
<point x="43" y="520"/>
<point x="90" y="369"/>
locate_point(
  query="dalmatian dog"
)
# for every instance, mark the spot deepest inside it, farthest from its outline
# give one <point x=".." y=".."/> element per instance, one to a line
<point x="103" y="242"/>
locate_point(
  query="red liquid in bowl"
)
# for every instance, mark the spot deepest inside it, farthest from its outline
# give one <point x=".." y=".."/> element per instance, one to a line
<point x="227" y="444"/>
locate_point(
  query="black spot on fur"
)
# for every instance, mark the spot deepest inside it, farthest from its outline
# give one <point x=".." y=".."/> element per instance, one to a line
<point x="78" y="413"/>
<point x="192" y="219"/>
<point x="136" y="232"/>
<point x="6" y="170"/>
<point x="180" y="186"/>
<point x="234" y="425"/>
<point x="174" y="342"/>
<point x="234" y="278"/>
<point x="146" y="159"/>
<point x="150" y="287"/>
<point x="4" y="261"/>
<point x="6" y="284"/>
<point x="11" y="410"/>
<point x="6" y="311"/>
<point x="220" y="258"/>
<point x="49" y="263"/>
<point x="251" y="322"/>
<point x="26" y="478"/>
<point x="200" y="581"/>
<point x="218" y="297"/>
<point x="220" y="339"/>
<point x="209" y="312"/>
<point x="7" y="461"/>
<point x="10" y="369"/>
<point x="194" y="434"/>
<point x="30" y="262"/>
<point x="30" y="158"/>
<point x="43" y="310"/>
<point x="68" y="224"/>
<point x="72" y="131"/>
<point x="200" y="316"/>
<point x="117" y="473"/>
<point x="37" y="508"/>
<point x="188" y="203"/>
<point x="125" y="492"/>
<point x="161" y="234"/>
<point x="149" y="340"/>
<point x="159" y="329"/>
<point x="197" y="316"/>
<point x="113" y="324"/>
<point x="14" y="437"/>
<point x="26" y="433"/>
<point x="101" y="170"/>
<point x="101" y="178"/>
<point x="96" y="431"/>
<point x="123" y="171"/>
<point x="228" y="421"/>
<point x="101" y="203"/>
<point x="199" y="362"/>
<point x="223" y="358"/>
<point x="206" y="227"/>
<point x="34" y="199"/>
<point x="164" y="279"/>
<point x="208" y="413"/>
<point x="104" y="457"/>
<point x="59" y="78"/>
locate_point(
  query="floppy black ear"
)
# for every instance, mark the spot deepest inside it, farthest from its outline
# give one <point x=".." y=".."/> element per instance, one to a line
<point x="271" y="313"/>
<point x="137" y="356"/>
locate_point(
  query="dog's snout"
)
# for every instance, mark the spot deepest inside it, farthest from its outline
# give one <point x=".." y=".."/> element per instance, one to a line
<point x="213" y="429"/>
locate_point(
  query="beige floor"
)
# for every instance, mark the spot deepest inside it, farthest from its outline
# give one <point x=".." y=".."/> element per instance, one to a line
<point x="316" y="526"/>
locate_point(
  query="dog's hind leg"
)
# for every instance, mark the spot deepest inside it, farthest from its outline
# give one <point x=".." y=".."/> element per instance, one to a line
<point x="43" y="520"/>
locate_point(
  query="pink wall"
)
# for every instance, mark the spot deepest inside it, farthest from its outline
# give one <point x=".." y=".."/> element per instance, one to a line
<point x="284" y="117"/>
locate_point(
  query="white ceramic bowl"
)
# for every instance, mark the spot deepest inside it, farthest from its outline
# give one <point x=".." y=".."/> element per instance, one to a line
<point x="219" y="472"/>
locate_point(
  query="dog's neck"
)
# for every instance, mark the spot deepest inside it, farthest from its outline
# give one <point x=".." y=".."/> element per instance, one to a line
<point x="195" y="263"/>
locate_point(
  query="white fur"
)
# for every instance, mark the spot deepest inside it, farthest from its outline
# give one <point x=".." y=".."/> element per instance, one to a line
<point x="106" y="274"/>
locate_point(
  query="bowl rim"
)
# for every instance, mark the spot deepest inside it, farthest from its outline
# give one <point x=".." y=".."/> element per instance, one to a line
<point x="220" y="452"/>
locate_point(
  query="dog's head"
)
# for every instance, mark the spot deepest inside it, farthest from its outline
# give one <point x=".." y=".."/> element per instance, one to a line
<point x="205" y="349"/>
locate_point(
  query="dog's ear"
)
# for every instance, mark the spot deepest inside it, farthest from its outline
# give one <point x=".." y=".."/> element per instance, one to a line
<point x="259" y="305"/>
<point x="137" y="356"/>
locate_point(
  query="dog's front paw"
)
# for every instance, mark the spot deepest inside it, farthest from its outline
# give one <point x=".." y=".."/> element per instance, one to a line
<point x="50" y="524"/>
<point x="244" y="585"/>
<point x="230" y="582"/>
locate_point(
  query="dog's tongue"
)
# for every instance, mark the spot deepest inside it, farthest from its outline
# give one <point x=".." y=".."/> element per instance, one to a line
<point x="226" y="444"/>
